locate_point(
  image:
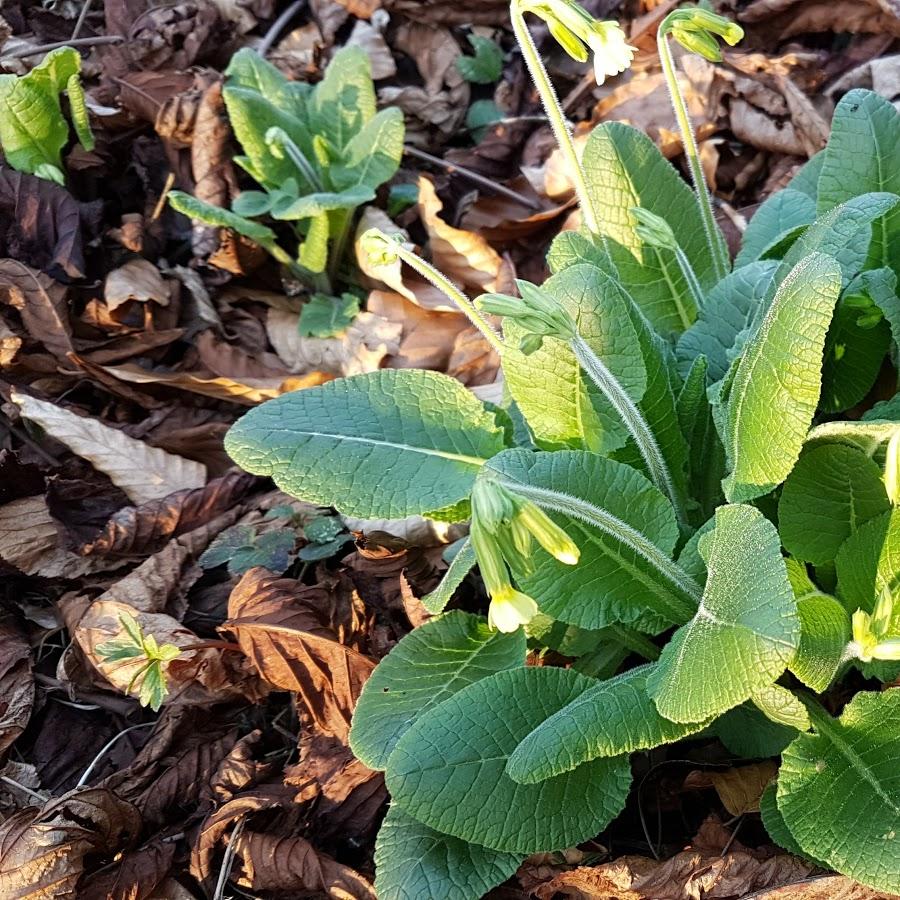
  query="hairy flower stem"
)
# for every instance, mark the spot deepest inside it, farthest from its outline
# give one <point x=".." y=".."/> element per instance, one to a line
<point x="555" y="115"/>
<point x="633" y="420"/>
<point x="717" y="250"/>
<point x="690" y="276"/>
<point x="688" y="595"/>
<point x="451" y="291"/>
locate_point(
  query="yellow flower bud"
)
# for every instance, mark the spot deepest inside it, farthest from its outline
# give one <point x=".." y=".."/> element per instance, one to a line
<point x="548" y="534"/>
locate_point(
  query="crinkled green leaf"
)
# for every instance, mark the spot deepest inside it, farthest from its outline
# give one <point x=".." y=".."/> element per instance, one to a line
<point x="252" y="203"/>
<point x="618" y="578"/>
<point x="830" y="493"/>
<point x="219" y="218"/>
<point x="372" y="156"/>
<point x="625" y="169"/>
<point x="868" y="563"/>
<point x="824" y="633"/>
<point x="248" y="69"/>
<point x="460" y="566"/>
<point x="486" y="66"/>
<point x="773" y="395"/>
<point x="572" y="247"/>
<point x="243" y="549"/>
<point x="724" y="324"/>
<point x="324" y="317"/>
<point x="387" y="444"/>
<point x="448" y="770"/>
<point x="781" y="214"/>
<point x="80" y="117"/>
<point x="774" y="823"/>
<point x="481" y="114"/>
<point x="839" y="794"/>
<point x="413" y="861"/>
<point x="807" y="178"/>
<point x="317" y="204"/>
<point x="313" y="253"/>
<point x="746" y="630"/>
<point x="609" y="718"/>
<point x="747" y="732"/>
<point x="426" y="667"/>
<point x="344" y="100"/>
<point x="863" y="154"/>
<point x="781" y="706"/>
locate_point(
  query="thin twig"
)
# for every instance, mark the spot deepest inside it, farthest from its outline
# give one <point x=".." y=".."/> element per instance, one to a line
<point x="105" y="748"/>
<point x="21" y="787"/>
<point x="161" y="203"/>
<point x="81" y="17"/>
<point x="228" y="860"/>
<point x="473" y="176"/>
<point x="278" y="26"/>
<point x="29" y="442"/>
<point x="72" y="42"/>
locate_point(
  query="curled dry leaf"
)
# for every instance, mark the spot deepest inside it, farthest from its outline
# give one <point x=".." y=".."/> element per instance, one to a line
<point x="143" y="472"/>
<point x="138" y="279"/>
<point x="786" y="18"/>
<point x="361" y="348"/>
<point x="461" y="12"/>
<point x="43" y="851"/>
<point x="371" y="40"/>
<point x="740" y="788"/>
<point x="10" y="344"/>
<point x="144" y="529"/>
<point x="134" y="876"/>
<point x="279" y="626"/>
<point x="41" y="303"/>
<point x="16" y="682"/>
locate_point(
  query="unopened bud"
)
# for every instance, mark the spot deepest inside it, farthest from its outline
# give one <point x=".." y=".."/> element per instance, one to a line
<point x="378" y="248"/>
<point x="653" y="229"/>
<point x="548" y="534"/>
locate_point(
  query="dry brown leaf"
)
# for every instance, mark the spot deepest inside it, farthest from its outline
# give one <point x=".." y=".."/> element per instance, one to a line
<point x="16" y="683"/>
<point x="370" y="39"/>
<point x="143" y="472"/>
<point x="739" y="788"/>
<point x="42" y="851"/>
<point x="362" y="9"/>
<point x="785" y="18"/>
<point x="232" y="361"/>
<point x="463" y="256"/>
<point x="134" y="876"/>
<point x="822" y="887"/>
<point x="361" y="348"/>
<point x="460" y="12"/>
<point x="278" y="624"/>
<point x="138" y="279"/>
<point x="10" y="344"/>
<point x="41" y="302"/>
<point x="291" y="864"/>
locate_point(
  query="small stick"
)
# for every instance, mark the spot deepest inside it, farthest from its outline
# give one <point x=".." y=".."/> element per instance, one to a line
<point x="472" y="176"/>
<point x="160" y="204"/>
<point x="278" y="26"/>
<point x="72" y="42"/>
<point x="81" y="17"/>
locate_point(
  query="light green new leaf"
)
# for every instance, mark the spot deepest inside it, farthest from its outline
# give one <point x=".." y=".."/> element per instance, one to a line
<point x="781" y="706"/>
<point x="863" y="154"/>
<point x="783" y="213"/>
<point x="373" y="156"/>
<point x="609" y="718"/>
<point x="344" y="100"/>
<point x="460" y="566"/>
<point x="839" y="794"/>
<point x="625" y="573"/>
<point x="830" y="493"/>
<point x="824" y="633"/>
<point x="773" y="396"/>
<point x="448" y="770"/>
<point x="220" y="218"/>
<point x="80" y="117"/>
<point x="724" y="323"/>
<point x="429" y="665"/>
<point x="625" y="169"/>
<point x="868" y="564"/>
<point x="387" y="444"/>
<point x="572" y="247"/>
<point x="324" y="317"/>
<point x="413" y="861"/>
<point x="746" y="630"/>
<point x="248" y="69"/>
<point x="318" y="204"/>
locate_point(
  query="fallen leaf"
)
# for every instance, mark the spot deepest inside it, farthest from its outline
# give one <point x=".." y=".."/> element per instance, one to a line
<point x="279" y="627"/>
<point x="739" y="788"/>
<point x="138" y="279"/>
<point x="232" y="361"/>
<point x="463" y="256"/>
<point x="41" y="302"/>
<point x="245" y="14"/>
<point x="785" y="18"/>
<point x="370" y="39"/>
<point x="43" y="851"/>
<point x="143" y="472"/>
<point x="16" y="683"/>
<point x="460" y="12"/>
<point x="40" y="224"/>
<point x="10" y="344"/>
<point x="134" y="876"/>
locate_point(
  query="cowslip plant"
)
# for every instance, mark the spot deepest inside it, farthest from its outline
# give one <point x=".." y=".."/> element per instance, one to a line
<point x="317" y="153"/>
<point x="33" y="130"/>
<point x="680" y="511"/>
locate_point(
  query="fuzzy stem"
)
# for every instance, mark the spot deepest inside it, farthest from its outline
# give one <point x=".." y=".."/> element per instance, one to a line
<point x="555" y="115"/>
<point x="451" y="291"/>
<point x="716" y="248"/>
<point x="633" y="420"/>
<point x="682" y="605"/>
<point x="690" y="276"/>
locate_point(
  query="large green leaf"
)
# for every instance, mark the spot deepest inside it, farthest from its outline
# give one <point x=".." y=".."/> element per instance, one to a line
<point x="746" y="630"/>
<point x="413" y="861"/>
<point x="773" y="395"/>
<point x="839" y="793"/>
<point x="824" y="633"/>
<point x="448" y="770"/>
<point x="724" y="323"/>
<point x="746" y="731"/>
<point x="777" y="827"/>
<point x="609" y="718"/>
<point x="318" y="203"/>
<point x="868" y="563"/>
<point x="807" y="178"/>
<point x="429" y="665"/>
<point x="387" y="444"/>
<point x="344" y="100"/>
<point x="462" y="563"/>
<point x="625" y="169"/>
<point x="830" y="493"/>
<point x="572" y="247"/>
<point x="248" y="69"/>
<point x="220" y="218"/>
<point x="863" y="154"/>
<point x="781" y="214"/>
<point x="625" y="573"/>
<point x="372" y="156"/>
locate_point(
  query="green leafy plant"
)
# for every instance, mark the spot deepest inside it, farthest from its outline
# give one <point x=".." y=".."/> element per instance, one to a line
<point x="486" y="66"/>
<point x="317" y="153"/>
<point x="242" y="547"/>
<point x="33" y="130"/>
<point x="689" y="520"/>
<point x="152" y="660"/>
